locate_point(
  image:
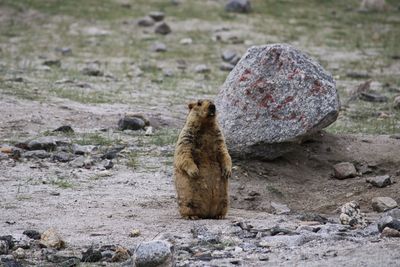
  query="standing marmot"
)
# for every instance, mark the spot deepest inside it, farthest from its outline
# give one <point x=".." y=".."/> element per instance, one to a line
<point x="202" y="165"/>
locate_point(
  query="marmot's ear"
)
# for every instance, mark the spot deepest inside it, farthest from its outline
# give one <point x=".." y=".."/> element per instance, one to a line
<point x="191" y="105"/>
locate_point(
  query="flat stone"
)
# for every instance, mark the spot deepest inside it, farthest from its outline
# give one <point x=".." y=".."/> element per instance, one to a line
<point x="131" y="123"/>
<point x="373" y="97"/>
<point x="228" y="55"/>
<point x="226" y="66"/>
<point x="379" y="181"/>
<point x="163" y="28"/>
<point x="280" y="208"/>
<point x="344" y="170"/>
<point x="381" y="204"/>
<point x="157" y="15"/>
<point x="202" y="68"/>
<point x="274" y="98"/>
<point x="32" y="234"/>
<point x="40" y="154"/>
<point x="62" y="156"/>
<point x="82" y="150"/>
<point x="92" y="71"/>
<point x="48" y="143"/>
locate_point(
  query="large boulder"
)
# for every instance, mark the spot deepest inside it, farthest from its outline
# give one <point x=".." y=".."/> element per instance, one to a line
<point x="274" y="97"/>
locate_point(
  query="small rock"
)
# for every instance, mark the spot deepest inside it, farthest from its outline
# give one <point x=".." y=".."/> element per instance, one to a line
<point x="82" y="150"/>
<point x="149" y="131"/>
<point x="226" y="66"/>
<point x="146" y="22"/>
<point x="91" y="255"/>
<point x="64" y="257"/>
<point x="202" y="233"/>
<point x="131" y="123"/>
<point x="62" y="157"/>
<point x="162" y="28"/>
<point x="32" y="234"/>
<point x="358" y="75"/>
<point x="82" y="161"/>
<point x="379" y="181"/>
<point x="51" y="239"/>
<point x="65" y="51"/>
<point x="388" y="221"/>
<point x="134" y="233"/>
<point x="108" y="164"/>
<point x="168" y="72"/>
<point x="6" y="262"/>
<point x="344" y="170"/>
<point x="158" y="47"/>
<point x="389" y="232"/>
<point x="121" y="254"/>
<point x="186" y="41"/>
<point x="202" y="68"/>
<point x="263" y="258"/>
<point x="238" y="6"/>
<point x="92" y="71"/>
<point x="381" y="204"/>
<point x="4" y="247"/>
<point x="153" y="253"/>
<point x="52" y="63"/>
<point x="112" y="153"/>
<point x="235" y="60"/>
<point x="280" y="208"/>
<point x="373" y="97"/>
<point x="3" y="156"/>
<point x="19" y="253"/>
<point x="64" y="129"/>
<point x="351" y="214"/>
<point x="157" y="15"/>
<point x="41" y="154"/>
<point x="396" y="102"/>
<point x="228" y="55"/>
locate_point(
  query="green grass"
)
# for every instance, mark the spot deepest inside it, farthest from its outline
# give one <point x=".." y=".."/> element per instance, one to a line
<point x="164" y="137"/>
<point x="61" y="183"/>
<point x="133" y="161"/>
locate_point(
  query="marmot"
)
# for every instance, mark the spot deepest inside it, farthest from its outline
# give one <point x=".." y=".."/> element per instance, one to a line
<point x="202" y="165"/>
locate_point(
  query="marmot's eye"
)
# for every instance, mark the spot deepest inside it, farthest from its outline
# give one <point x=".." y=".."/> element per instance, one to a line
<point x="199" y="102"/>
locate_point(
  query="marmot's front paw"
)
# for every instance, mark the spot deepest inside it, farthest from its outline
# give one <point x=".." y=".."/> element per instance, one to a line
<point x="193" y="171"/>
<point x="226" y="172"/>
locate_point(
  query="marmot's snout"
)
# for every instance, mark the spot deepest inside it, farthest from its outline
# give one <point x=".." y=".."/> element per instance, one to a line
<point x="211" y="110"/>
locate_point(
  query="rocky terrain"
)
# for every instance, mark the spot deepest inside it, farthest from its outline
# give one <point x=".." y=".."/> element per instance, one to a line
<point x="92" y="97"/>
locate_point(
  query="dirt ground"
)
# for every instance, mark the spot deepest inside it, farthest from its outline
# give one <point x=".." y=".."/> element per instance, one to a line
<point x="101" y="207"/>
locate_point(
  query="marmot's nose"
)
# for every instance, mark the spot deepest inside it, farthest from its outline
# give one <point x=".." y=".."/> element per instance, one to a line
<point x="211" y="108"/>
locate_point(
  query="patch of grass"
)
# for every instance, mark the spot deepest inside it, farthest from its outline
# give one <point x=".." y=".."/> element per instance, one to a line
<point x="164" y="137"/>
<point x="133" y="160"/>
<point x="62" y="183"/>
<point x="97" y="139"/>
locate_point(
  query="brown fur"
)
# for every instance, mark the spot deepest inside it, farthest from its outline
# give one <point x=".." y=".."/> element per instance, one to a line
<point x="202" y="165"/>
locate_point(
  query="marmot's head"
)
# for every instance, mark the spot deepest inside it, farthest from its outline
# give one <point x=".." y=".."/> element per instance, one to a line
<point x="204" y="110"/>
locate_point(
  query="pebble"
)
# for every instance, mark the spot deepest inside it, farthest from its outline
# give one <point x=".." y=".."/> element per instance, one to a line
<point x="108" y="164"/>
<point x="379" y="181"/>
<point x="389" y="232"/>
<point x="153" y="253"/>
<point x="52" y="63"/>
<point x="381" y="204"/>
<point x="157" y="15"/>
<point x="373" y="97"/>
<point x="134" y="233"/>
<point x="226" y="66"/>
<point x="149" y="131"/>
<point x="202" y="68"/>
<point x="91" y="255"/>
<point x="92" y="71"/>
<point x="51" y="239"/>
<point x="131" y="123"/>
<point x="238" y="6"/>
<point x="146" y="21"/>
<point x="280" y="208"/>
<point x="9" y="262"/>
<point x="64" y="129"/>
<point x="228" y="55"/>
<point x="32" y="234"/>
<point x="81" y="162"/>
<point x="121" y="254"/>
<point x="158" y="47"/>
<point x="19" y="253"/>
<point x="344" y="170"/>
<point x="41" y="154"/>
<point x="62" y="157"/>
<point x="163" y="28"/>
<point x="82" y="150"/>
<point x="186" y="41"/>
